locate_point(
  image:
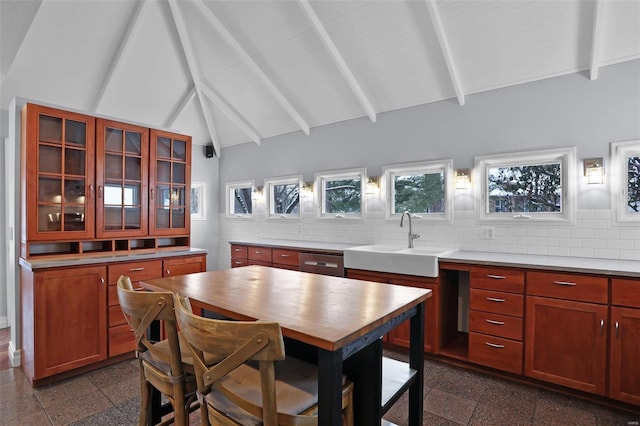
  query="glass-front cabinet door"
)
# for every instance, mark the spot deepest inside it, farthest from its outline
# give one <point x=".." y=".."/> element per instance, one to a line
<point x="122" y="152"/>
<point x="170" y="183"/>
<point x="58" y="155"/>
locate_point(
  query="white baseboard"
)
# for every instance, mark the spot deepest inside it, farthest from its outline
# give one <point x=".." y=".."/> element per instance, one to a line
<point x="4" y="322"/>
<point x="14" y="355"/>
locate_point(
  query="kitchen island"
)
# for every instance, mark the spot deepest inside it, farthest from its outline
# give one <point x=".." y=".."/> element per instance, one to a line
<point x="342" y="319"/>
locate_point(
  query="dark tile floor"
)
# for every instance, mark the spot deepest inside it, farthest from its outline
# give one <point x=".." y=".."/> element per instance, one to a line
<point x="453" y="396"/>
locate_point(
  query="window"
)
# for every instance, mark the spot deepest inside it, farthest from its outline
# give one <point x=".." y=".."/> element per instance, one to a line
<point x="423" y="189"/>
<point x="625" y="162"/>
<point x="283" y="197"/>
<point x="536" y="185"/>
<point x="239" y="199"/>
<point x="340" y="194"/>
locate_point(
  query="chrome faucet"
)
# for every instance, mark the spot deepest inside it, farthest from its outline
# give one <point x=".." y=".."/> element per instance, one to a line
<point x="411" y="235"/>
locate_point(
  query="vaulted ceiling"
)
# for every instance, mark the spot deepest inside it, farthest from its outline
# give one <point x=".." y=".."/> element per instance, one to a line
<point x="231" y="72"/>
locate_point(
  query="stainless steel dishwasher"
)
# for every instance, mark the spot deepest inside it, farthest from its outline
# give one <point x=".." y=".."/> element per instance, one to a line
<point x="325" y="264"/>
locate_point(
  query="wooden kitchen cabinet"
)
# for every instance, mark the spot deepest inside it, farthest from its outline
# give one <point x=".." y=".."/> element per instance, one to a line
<point x="400" y="335"/>
<point x="66" y="327"/>
<point x="624" y="368"/>
<point x="169" y="183"/>
<point x="566" y="340"/>
<point x="57" y="174"/>
<point x="122" y="168"/>
<point x="243" y="255"/>
<point x="496" y="311"/>
<point x="184" y="265"/>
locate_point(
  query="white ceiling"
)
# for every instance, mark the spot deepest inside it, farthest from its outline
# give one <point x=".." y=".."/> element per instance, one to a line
<point x="232" y="72"/>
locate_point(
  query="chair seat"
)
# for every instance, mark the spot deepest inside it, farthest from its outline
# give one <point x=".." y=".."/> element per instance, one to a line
<point x="296" y="389"/>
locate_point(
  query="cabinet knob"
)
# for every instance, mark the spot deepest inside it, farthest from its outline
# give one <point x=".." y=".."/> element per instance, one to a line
<point x="102" y="280"/>
<point x="168" y="272"/>
<point x="601" y="327"/>
<point x="617" y="328"/>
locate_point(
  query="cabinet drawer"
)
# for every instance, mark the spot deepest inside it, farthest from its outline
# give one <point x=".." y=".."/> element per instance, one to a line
<point x="285" y="257"/>
<point x="501" y="279"/>
<point x="496" y="302"/>
<point x="496" y="324"/>
<point x="495" y="352"/>
<point x="184" y="265"/>
<point x="116" y="317"/>
<point x="137" y="271"/>
<point x="236" y="262"/>
<point x="238" y="251"/>
<point x="261" y="254"/>
<point x="625" y="292"/>
<point x="121" y="340"/>
<point x="583" y="288"/>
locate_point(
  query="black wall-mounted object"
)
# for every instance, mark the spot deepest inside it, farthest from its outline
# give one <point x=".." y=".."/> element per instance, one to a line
<point x="208" y="151"/>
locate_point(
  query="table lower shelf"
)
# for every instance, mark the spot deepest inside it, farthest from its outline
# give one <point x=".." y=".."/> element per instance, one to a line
<point x="397" y="376"/>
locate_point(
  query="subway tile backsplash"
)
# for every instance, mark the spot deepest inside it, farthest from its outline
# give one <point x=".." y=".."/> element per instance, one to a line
<point x="593" y="234"/>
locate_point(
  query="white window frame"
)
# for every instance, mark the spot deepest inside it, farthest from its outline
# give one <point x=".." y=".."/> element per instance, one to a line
<point x="426" y="167"/>
<point x="230" y="188"/>
<point x="620" y="152"/>
<point x="567" y="159"/>
<point x="268" y="194"/>
<point x="319" y="192"/>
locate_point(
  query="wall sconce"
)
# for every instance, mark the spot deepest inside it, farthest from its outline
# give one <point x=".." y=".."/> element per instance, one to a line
<point x="372" y="186"/>
<point x="594" y="170"/>
<point x="257" y="193"/>
<point x="463" y="178"/>
<point x="307" y="190"/>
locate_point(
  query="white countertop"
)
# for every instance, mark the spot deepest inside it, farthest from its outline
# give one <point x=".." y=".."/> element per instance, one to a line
<point x="34" y="264"/>
<point x="627" y="268"/>
<point x="630" y="268"/>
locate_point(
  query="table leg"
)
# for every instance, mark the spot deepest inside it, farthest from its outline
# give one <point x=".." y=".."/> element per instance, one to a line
<point x="364" y="368"/>
<point x="416" y="361"/>
<point x="329" y="387"/>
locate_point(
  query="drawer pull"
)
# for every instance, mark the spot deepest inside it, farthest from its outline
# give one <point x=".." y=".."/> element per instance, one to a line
<point x="285" y="255"/>
<point x="496" y="277"/>
<point x="493" y="345"/>
<point x="237" y="249"/>
<point x="258" y="252"/>
<point x="495" y="322"/>
<point x="617" y="328"/>
<point x="238" y="262"/>
<point x="495" y="299"/>
<point x="136" y="269"/>
<point x="317" y="263"/>
<point x="601" y="327"/>
<point x="567" y="283"/>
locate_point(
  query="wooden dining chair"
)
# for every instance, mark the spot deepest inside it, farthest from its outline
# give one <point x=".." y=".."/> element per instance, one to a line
<point x="247" y="379"/>
<point x="166" y="365"/>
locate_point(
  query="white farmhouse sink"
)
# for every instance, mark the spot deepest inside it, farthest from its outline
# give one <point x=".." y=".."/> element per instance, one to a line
<point x="420" y="261"/>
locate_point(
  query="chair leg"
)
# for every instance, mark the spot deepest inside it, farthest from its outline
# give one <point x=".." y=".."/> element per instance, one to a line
<point x="145" y="399"/>
<point x="180" y="415"/>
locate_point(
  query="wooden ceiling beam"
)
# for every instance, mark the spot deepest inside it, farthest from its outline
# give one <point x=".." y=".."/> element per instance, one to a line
<point x="257" y="70"/>
<point x="436" y="20"/>
<point x="595" y="39"/>
<point x="188" y="97"/>
<point x="230" y="113"/>
<point x="115" y="61"/>
<point x="193" y="70"/>
<point x="338" y="59"/>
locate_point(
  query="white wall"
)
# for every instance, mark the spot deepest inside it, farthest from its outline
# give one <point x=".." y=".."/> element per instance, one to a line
<point x="560" y="112"/>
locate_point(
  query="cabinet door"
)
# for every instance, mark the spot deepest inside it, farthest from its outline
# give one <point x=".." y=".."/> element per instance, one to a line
<point x="401" y="334"/>
<point x="184" y="265"/>
<point x="566" y="343"/>
<point x="70" y="319"/>
<point x="624" y="378"/>
<point x="58" y="154"/>
<point x="122" y="164"/>
<point x="170" y="183"/>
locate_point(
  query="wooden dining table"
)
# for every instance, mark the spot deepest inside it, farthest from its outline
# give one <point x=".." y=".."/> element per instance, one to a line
<point x="338" y="322"/>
